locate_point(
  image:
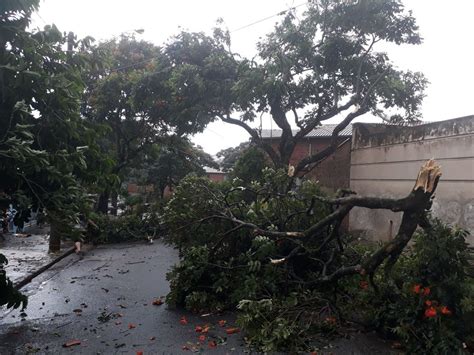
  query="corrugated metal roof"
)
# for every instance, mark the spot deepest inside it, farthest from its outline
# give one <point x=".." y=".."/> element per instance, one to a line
<point x="322" y="131"/>
<point x="213" y="171"/>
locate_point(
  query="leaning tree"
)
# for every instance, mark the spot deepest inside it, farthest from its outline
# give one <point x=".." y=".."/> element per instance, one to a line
<point x="311" y="68"/>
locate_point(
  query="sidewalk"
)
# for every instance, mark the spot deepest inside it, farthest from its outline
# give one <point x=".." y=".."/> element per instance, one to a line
<point x="26" y="254"/>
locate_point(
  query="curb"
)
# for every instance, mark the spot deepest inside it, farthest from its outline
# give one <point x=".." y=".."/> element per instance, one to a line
<point x="30" y="277"/>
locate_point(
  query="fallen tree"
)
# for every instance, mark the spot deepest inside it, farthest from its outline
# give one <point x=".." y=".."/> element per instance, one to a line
<point x="241" y="245"/>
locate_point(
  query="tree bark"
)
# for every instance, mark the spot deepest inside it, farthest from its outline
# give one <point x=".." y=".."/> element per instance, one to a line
<point x="103" y="202"/>
<point x="114" y="199"/>
<point x="54" y="237"/>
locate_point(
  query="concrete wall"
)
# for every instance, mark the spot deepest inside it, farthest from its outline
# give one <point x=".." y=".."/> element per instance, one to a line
<point x="385" y="161"/>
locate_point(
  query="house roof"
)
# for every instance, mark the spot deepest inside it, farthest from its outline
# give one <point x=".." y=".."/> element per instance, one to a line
<point x="322" y="131"/>
<point x="213" y="171"/>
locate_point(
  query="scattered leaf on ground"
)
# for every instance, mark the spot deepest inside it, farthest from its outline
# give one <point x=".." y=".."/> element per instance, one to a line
<point x="71" y="343"/>
<point x="396" y="345"/>
<point x="152" y="338"/>
<point x="198" y="329"/>
<point x="222" y="322"/>
<point x="232" y="330"/>
<point x="202" y="338"/>
<point x="183" y="320"/>
<point x="131" y="326"/>
<point x="139" y="352"/>
<point x="157" y="302"/>
<point x="212" y="344"/>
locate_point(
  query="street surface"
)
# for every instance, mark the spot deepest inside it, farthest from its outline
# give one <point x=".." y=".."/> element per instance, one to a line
<point x="103" y="304"/>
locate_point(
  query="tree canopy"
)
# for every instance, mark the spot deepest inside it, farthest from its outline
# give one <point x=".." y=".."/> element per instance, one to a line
<point x="311" y="68"/>
<point x="168" y="163"/>
<point x="44" y="143"/>
<point x="130" y="94"/>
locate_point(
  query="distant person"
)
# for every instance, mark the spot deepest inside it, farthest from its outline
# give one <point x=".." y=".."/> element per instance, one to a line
<point x="40" y="218"/>
<point x="21" y="218"/>
<point x="11" y="216"/>
<point x="4" y="221"/>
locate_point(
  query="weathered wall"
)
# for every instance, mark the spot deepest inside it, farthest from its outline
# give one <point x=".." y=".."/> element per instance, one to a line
<point x="333" y="172"/>
<point x="385" y="161"/>
<point x="216" y="177"/>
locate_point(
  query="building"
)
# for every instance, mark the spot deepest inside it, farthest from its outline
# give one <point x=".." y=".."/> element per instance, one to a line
<point x="383" y="160"/>
<point x="334" y="172"/>
<point x="215" y="175"/>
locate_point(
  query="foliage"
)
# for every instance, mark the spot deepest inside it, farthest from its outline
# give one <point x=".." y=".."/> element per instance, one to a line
<point x="427" y="300"/>
<point x="197" y="202"/>
<point x="167" y="164"/>
<point x="9" y="296"/>
<point x="235" y="254"/>
<point x="228" y="157"/>
<point x="133" y="95"/>
<point x="215" y="261"/>
<point x="312" y="67"/>
<point x="44" y="144"/>
<point x="284" y="323"/>
<point x="139" y="223"/>
<point x="250" y="165"/>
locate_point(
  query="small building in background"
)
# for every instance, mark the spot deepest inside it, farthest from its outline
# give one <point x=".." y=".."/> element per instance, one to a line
<point x="215" y="175"/>
<point x="333" y="173"/>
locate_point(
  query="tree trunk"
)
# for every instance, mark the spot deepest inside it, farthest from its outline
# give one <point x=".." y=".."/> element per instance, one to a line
<point x="54" y="237"/>
<point x="114" y="199"/>
<point x="103" y="203"/>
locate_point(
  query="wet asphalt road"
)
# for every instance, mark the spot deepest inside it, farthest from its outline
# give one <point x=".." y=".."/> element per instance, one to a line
<point x="105" y="301"/>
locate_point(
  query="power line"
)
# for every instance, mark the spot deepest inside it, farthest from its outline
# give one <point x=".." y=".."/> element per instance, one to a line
<point x="233" y="31"/>
<point x="269" y="17"/>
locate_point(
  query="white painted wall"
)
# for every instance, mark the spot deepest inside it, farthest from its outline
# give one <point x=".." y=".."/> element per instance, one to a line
<point x="385" y="162"/>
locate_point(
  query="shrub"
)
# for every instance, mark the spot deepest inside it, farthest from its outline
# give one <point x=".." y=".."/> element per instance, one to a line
<point x="219" y="268"/>
<point x="426" y="301"/>
<point x="9" y="296"/>
<point x="275" y="282"/>
<point x="137" y="224"/>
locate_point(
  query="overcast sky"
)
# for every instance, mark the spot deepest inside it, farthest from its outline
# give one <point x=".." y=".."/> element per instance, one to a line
<point x="446" y="57"/>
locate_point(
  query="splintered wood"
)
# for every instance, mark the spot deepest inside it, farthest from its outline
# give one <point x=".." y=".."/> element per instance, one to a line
<point x="428" y="176"/>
